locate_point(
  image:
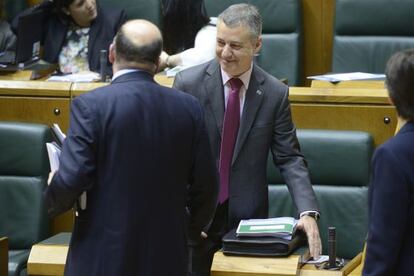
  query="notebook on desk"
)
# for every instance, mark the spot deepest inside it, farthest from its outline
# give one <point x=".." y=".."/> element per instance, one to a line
<point x="29" y="34"/>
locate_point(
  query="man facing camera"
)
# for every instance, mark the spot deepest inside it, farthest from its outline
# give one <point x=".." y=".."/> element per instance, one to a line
<point x="141" y="152"/>
<point x="391" y="192"/>
<point x="247" y="115"/>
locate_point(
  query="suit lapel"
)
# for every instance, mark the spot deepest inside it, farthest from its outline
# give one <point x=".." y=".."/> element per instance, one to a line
<point x="215" y="94"/>
<point x="252" y="103"/>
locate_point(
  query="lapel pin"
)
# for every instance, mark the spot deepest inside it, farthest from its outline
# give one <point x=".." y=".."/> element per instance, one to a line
<point x="258" y="92"/>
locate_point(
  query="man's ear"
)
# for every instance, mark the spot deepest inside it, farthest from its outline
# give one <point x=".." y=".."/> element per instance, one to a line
<point x="258" y="45"/>
<point x="112" y="53"/>
<point x="157" y="65"/>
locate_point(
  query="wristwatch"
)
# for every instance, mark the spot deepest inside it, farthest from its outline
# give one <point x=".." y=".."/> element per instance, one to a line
<point x="313" y="214"/>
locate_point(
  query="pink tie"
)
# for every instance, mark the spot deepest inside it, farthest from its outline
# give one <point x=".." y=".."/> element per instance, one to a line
<point x="229" y="135"/>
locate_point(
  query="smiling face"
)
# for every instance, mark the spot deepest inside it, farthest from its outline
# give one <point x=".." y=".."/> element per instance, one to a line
<point x="235" y="48"/>
<point x="83" y="12"/>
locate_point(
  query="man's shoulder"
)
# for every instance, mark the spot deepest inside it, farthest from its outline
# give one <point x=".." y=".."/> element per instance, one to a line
<point x="197" y="71"/>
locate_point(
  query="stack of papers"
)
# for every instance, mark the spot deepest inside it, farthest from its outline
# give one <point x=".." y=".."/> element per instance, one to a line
<point x="77" y="77"/>
<point x="58" y="133"/>
<point x="53" y="151"/>
<point x="281" y="227"/>
<point x="348" y="76"/>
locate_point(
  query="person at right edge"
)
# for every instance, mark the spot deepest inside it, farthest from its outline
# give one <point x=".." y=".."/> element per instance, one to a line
<point x="390" y="243"/>
<point x="243" y="129"/>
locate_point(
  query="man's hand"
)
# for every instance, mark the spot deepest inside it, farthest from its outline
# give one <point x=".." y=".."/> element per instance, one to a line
<point x="163" y="61"/>
<point x="308" y="225"/>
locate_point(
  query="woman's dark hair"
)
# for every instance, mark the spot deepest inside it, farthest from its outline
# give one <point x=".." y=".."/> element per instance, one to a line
<point x="60" y="5"/>
<point x="182" y="19"/>
<point x="400" y="82"/>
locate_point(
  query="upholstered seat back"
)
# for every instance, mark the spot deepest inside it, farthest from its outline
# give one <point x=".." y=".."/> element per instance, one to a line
<point x="339" y="165"/>
<point x="281" y="52"/>
<point x="137" y="9"/>
<point x="24" y="169"/>
<point x="368" y="32"/>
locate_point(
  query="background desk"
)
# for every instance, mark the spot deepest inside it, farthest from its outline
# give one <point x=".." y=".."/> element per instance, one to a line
<point x="366" y="109"/>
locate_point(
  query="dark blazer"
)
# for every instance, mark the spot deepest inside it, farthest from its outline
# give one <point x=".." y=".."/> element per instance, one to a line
<point x="101" y="33"/>
<point x="266" y="125"/>
<point x="141" y="152"/>
<point x="390" y="244"/>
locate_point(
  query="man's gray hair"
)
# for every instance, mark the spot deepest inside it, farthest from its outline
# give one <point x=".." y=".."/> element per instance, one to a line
<point x="243" y="15"/>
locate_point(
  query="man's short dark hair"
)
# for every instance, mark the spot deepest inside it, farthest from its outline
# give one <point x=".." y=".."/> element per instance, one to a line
<point x="400" y="82"/>
<point x="130" y="52"/>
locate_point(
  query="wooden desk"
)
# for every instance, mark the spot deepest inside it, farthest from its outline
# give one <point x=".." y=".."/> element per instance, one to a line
<point x="311" y="270"/>
<point x="35" y="101"/>
<point x="4" y="256"/>
<point x="80" y="88"/>
<point x="253" y="266"/>
<point x="373" y="84"/>
<point x="344" y="109"/>
<point x="49" y="257"/>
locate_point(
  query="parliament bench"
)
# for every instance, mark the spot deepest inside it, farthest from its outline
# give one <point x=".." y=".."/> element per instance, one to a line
<point x="24" y="169"/>
<point x="339" y="165"/>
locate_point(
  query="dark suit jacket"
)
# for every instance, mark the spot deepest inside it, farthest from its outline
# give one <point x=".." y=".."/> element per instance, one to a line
<point x="101" y="33"/>
<point x="390" y="245"/>
<point x="142" y="153"/>
<point x="266" y="125"/>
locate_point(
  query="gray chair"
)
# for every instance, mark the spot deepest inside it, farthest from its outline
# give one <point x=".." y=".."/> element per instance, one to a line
<point x="24" y="168"/>
<point x="339" y="165"/>
<point x="368" y="32"/>
<point x="138" y="9"/>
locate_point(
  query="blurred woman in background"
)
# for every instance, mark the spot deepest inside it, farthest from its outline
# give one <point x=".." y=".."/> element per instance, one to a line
<point x="189" y="34"/>
<point x="75" y="31"/>
<point x="7" y="38"/>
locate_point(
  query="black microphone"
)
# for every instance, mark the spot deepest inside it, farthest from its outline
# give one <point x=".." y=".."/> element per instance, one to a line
<point x="332" y="247"/>
<point x="103" y="57"/>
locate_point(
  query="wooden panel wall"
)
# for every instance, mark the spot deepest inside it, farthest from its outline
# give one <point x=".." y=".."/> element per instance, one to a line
<point x="318" y="18"/>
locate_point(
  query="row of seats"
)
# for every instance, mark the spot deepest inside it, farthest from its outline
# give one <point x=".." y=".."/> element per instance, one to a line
<point x="366" y="33"/>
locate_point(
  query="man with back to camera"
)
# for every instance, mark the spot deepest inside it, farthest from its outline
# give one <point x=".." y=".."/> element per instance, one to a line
<point x="390" y="240"/>
<point x="141" y="152"/>
<point x="247" y="115"/>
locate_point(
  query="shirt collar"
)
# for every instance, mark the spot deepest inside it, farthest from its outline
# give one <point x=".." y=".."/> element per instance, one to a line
<point x="245" y="77"/>
<point x="123" y="72"/>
